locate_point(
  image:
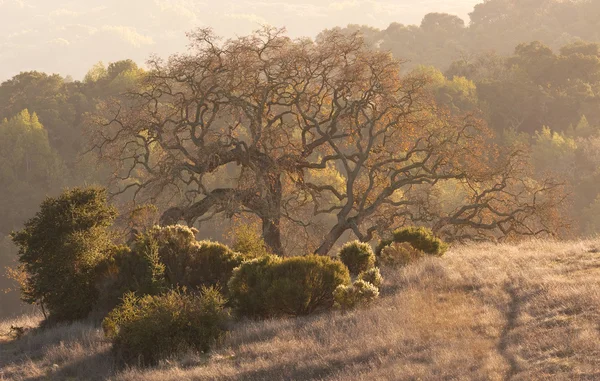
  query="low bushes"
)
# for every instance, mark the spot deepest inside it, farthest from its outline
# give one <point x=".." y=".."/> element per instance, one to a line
<point x="160" y="259"/>
<point x="372" y="276"/>
<point x="359" y="293"/>
<point x="147" y="329"/>
<point x="126" y="270"/>
<point x="399" y="255"/>
<point x="156" y="318"/>
<point x="407" y="245"/>
<point x="422" y="239"/>
<point x="163" y="258"/>
<point x="273" y="286"/>
<point x="188" y="262"/>
<point x="357" y="256"/>
<point x="163" y="288"/>
<point x="248" y="286"/>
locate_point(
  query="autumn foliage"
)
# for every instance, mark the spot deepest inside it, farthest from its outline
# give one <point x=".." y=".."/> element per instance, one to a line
<point x="326" y="136"/>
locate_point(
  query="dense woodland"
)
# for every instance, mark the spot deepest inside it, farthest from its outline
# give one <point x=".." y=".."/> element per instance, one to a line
<point x="497" y="120"/>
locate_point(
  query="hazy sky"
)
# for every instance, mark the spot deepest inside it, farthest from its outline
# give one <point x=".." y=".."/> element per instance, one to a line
<point x="68" y="37"/>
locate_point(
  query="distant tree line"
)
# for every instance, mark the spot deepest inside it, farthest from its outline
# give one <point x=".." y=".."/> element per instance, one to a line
<point x="496" y="26"/>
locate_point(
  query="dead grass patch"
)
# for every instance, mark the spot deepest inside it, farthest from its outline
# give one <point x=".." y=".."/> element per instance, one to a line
<point x="482" y="312"/>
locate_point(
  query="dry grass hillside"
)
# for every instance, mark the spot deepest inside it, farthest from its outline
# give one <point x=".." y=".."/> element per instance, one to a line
<point x="483" y="312"/>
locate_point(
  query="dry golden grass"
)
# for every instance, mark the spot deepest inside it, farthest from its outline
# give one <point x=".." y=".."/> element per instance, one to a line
<point x="483" y="312"/>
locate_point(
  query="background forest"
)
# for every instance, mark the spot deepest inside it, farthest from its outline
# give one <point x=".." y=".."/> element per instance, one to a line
<point x="529" y="69"/>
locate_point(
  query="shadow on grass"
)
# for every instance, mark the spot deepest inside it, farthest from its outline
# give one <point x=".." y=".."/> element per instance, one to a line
<point x="35" y="347"/>
<point x="302" y="369"/>
<point x="95" y="367"/>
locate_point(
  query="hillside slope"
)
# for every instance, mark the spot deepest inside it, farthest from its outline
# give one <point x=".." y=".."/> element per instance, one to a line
<point x="483" y="312"/>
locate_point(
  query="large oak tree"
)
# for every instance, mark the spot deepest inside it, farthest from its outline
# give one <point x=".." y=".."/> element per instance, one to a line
<point x="249" y="126"/>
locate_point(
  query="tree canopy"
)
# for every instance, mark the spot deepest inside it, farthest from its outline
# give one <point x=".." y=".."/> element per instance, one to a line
<point x="247" y="126"/>
<point x="29" y="168"/>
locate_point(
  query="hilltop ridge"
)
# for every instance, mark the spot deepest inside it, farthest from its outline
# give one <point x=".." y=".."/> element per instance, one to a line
<point x="523" y="312"/>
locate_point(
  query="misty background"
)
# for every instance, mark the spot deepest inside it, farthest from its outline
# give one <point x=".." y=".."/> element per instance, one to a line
<point x="68" y="37"/>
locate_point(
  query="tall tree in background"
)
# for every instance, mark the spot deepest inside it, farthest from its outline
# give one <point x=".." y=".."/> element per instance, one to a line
<point x="29" y="168"/>
<point x="57" y="104"/>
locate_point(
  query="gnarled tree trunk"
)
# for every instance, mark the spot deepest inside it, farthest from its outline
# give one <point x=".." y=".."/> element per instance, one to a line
<point x="272" y="235"/>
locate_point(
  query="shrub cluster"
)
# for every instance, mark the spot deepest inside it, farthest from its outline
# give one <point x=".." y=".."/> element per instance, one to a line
<point x="156" y="318"/>
<point x="360" y="260"/>
<point x="273" y="286"/>
<point x="126" y="270"/>
<point x="163" y="258"/>
<point x="147" y="329"/>
<point x="357" y="256"/>
<point x="190" y="263"/>
<point x="163" y="289"/>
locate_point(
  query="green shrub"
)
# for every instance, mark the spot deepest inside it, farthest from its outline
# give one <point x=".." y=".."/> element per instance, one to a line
<point x="142" y="270"/>
<point x="60" y="248"/>
<point x="399" y="255"/>
<point x="357" y="256"/>
<point x="145" y="330"/>
<point x="303" y="285"/>
<point x="272" y="286"/>
<point x="249" y="284"/>
<point x="359" y="293"/>
<point x="212" y="264"/>
<point x="381" y="245"/>
<point x="187" y="262"/>
<point x="372" y="276"/>
<point x="249" y="243"/>
<point x="421" y="238"/>
<point x="164" y="258"/>
<point x="126" y="270"/>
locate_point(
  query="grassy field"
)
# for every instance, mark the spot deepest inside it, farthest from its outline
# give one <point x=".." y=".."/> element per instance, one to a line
<point x="483" y="312"/>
